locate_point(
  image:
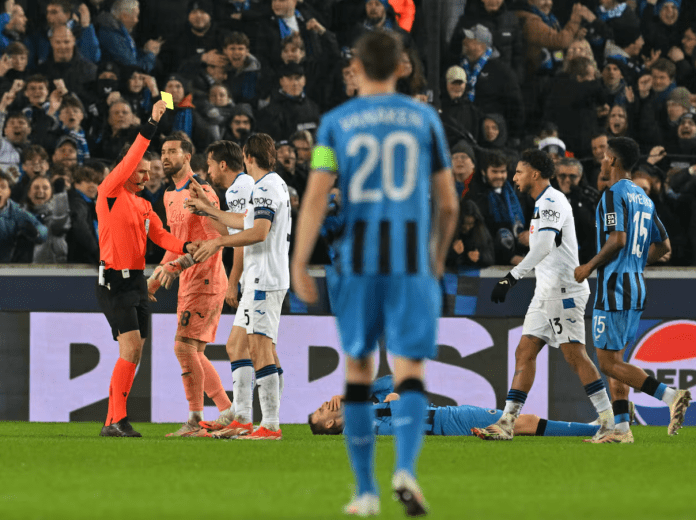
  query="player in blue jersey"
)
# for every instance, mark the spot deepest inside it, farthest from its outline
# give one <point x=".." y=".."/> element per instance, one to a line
<point x="629" y="235"/>
<point x="390" y="157"/>
<point x="440" y="420"/>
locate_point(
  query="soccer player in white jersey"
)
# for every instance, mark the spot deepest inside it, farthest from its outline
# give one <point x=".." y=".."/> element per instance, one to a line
<point x="267" y="275"/>
<point x="556" y="315"/>
<point x="226" y="170"/>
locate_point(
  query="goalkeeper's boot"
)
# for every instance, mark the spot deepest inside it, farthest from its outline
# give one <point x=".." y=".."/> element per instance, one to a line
<point x="188" y="429"/>
<point x="121" y="428"/>
<point x="365" y="505"/>
<point x="614" y="437"/>
<point x="407" y="491"/>
<point x="233" y="430"/>
<point x="220" y="423"/>
<point x="499" y="431"/>
<point x="677" y="411"/>
<point x="263" y="434"/>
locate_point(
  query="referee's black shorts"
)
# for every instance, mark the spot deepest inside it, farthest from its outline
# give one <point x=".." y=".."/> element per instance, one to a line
<point x="125" y="304"/>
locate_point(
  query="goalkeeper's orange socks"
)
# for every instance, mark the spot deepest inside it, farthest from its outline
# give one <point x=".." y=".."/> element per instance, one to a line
<point x="121" y="383"/>
<point x="192" y="374"/>
<point x="212" y="384"/>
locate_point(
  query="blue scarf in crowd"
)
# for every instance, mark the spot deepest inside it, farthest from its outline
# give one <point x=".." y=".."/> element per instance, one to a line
<point x="617" y="12"/>
<point x="245" y="7"/>
<point x="285" y="30"/>
<point x="549" y="19"/>
<point x="183" y="120"/>
<point x="472" y="73"/>
<point x="506" y="207"/>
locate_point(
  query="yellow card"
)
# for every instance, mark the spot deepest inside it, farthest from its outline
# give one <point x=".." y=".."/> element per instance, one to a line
<point x="167" y="98"/>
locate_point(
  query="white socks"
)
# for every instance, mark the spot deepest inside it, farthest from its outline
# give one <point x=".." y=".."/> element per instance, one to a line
<point x="269" y="398"/>
<point x="243" y="389"/>
<point x="669" y="396"/>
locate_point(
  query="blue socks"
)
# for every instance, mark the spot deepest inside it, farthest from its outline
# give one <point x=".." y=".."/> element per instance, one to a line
<point x="409" y="422"/>
<point x="360" y="436"/>
<point x="565" y="429"/>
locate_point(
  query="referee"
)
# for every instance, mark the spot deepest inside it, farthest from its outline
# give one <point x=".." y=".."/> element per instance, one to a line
<point x="125" y="221"/>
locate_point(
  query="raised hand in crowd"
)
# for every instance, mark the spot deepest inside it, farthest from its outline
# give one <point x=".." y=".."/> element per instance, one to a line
<point x="215" y="58"/>
<point x="9" y="96"/>
<point x="657" y="153"/>
<point x="153" y="46"/>
<point x="314" y="25"/>
<point x="675" y="54"/>
<point x="644" y="86"/>
<point x="654" y="55"/>
<point x="630" y="96"/>
<point x="83" y="15"/>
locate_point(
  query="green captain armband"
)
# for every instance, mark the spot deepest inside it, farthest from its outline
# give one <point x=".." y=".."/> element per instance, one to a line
<point x="324" y="158"/>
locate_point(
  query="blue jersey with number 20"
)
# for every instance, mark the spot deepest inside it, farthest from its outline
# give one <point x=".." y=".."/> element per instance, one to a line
<point x="384" y="149"/>
<point x="625" y="207"/>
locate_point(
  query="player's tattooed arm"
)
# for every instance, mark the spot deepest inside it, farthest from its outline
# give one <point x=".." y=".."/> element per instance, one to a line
<point x="615" y="243"/>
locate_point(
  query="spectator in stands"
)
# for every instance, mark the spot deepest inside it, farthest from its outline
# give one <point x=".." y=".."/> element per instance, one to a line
<point x="241" y="125"/>
<point x="13" y="65"/>
<point x="101" y="94"/>
<point x="583" y="199"/>
<point x="61" y="176"/>
<point x="504" y="26"/>
<point x="505" y="215"/>
<point x="599" y="141"/>
<point x="13" y="25"/>
<point x="613" y="82"/>
<point x="573" y="103"/>
<point x="663" y="73"/>
<point x="139" y="89"/>
<point x="15" y="140"/>
<point x="379" y="15"/>
<point x="217" y="110"/>
<point x="15" y="222"/>
<point x="472" y="245"/>
<point x="686" y="133"/>
<point x="683" y="58"/>
<point x="626" y="46"/>
<point x="53" y="212"/>
<point x="659" y="26"/>
<point x="663" y="128"/>
<point x="578" y="48"/>
<point x="494" y="136"/>
<point x="612" y="16"/>
<point x="554" y="147"/>
<point x="240" y="16"/>
<point x="463" y="167"/>
<point x="544" y="35"/>
<point x="200" y="36"/>
<point x="243" y="71"/>
<point x="34" y="164"/>
<point x="492" y="85"/>
<point x="66" y="152"/>
<point x="66" y="63"/>
<point x="412" y="81"/>
<point x="290" y="109"/>
<point x="59" y="13"/>
<point x="293" y="174"/>
<point x="118" y="45"/>
<point x="284" y="20"/>
<point x="118" y="131"/>
<point x="303" y="142"/>
<point x="184" y="117"/>
<point x="82" y="238"/>
<point x="70" y="117"/>
<point x="460" y="118"/>
<point x="36" y="94"/>
<point x="618" y="124"/>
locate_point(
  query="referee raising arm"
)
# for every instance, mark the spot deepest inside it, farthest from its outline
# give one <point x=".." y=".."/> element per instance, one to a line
<point x="125" y="220"/>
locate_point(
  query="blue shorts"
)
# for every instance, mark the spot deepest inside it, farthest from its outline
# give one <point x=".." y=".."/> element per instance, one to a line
<point x="403" y="309"/>
<point x="613" y="330"/>
<point x="459" y="420"/>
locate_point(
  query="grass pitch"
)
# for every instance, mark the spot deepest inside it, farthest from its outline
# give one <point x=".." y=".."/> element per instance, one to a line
<point x="65" y="471"/>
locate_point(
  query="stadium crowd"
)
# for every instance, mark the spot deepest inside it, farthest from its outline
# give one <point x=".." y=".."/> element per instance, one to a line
<point x="77" y="79"/>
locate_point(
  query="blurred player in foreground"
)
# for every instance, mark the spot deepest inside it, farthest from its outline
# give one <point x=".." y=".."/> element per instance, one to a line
<point x="125" y="222"/>
<point x="202" y="286"/>
<point x="556" y="315"/>
<point x="629" y="235"/>
<point x="266" y="239"/>
<point x="440" y="420"/>
<point x="389" y="154"/>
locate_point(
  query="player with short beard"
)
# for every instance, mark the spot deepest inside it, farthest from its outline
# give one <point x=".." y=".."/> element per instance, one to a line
<point x="556" y="315"/>
<point x="201" y="289"/>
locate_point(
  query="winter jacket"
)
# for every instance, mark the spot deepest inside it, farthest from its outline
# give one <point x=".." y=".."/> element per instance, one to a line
<point x="16" y="222"/>
<point x="118" y="45"/>
<point x="55" y="215"/>
<point x="285" y="115"/>
<point x="82" y="239"/>
<point x="86" y="43"/>
<point x="461" y="119"/>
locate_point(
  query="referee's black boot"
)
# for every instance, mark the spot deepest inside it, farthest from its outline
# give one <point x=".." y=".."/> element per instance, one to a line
<point x="121" y="428"/>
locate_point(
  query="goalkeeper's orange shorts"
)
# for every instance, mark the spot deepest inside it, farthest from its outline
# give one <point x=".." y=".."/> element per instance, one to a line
<point x="199" y="315"/>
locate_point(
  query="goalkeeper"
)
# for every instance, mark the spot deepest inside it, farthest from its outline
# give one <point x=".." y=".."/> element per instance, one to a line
<point x="201" y="289"/>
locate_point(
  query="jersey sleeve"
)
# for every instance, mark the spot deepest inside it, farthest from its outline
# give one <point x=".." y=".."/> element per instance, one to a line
<point x="267" y="199"/>
<point x="658" y="232"/>
<point x="440" y="154"/>
<point x="119" y="175"/>
<point x="324" y="153"/>
<point x="382" y="387"/>
<point x="615" y="214"/>
<point x="162" y="237"/>
<point x="552" y="214"/>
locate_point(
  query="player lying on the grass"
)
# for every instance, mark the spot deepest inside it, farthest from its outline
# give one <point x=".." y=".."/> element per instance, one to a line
<point x="629" y="236"/>
<point x="556" y="315"/>
<point x="202" y="286"/>
<point x="440" y="420"/>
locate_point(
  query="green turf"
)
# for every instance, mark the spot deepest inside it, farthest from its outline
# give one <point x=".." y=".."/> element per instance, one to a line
<point x="56" y="471"/>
